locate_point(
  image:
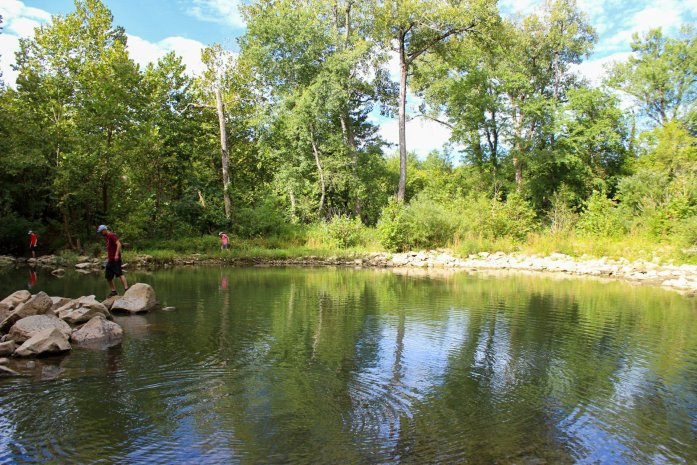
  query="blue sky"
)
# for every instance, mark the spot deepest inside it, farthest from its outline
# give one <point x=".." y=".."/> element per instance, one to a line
<point x="156" y="27"/>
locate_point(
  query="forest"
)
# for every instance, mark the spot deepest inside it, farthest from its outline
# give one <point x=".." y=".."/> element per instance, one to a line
<point x="278" y="144"/>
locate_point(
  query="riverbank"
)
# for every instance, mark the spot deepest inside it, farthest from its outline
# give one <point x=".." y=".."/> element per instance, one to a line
<point x="680" y="277"/>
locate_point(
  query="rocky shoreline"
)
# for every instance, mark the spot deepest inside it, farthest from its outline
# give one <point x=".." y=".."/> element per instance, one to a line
<point x="40" y="325"/>
<point x="682" y="278"/>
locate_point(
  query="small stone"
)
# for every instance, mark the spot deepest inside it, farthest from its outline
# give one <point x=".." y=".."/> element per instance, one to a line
<point x="5" y="371"/>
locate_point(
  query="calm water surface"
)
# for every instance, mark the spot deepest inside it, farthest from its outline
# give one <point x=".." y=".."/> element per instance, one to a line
<point x="329" y="366"/>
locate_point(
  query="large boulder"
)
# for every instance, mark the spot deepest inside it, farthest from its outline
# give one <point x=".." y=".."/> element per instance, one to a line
<point x="16" y="298"/>
<point x="40" y="304"/>
<point x="138" y="298"/>
<point x="48" y="341"/>
<point x="26" y="327"/>
<point x="98" y="331"/>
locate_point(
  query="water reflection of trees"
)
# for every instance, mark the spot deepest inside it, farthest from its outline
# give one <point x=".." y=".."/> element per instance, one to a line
<point x="363" y="367"/>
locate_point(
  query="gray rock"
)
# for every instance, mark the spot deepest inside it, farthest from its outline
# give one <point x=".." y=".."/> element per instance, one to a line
<point x="58" y="302"/>
<point x="7" y="348"/>
<point x="48" y="341"/>
<point x="82" y="310"/>
<point x="83" y="266"/>
<point x="138" y="298"/>
<point x="109" y="301"/>
<point x="98" y="331"/>
<point x="58" y="272"/>
<point x="4" y="361"/>
<point x="25" y="328"/>
<point x="4" y="311"/>
<point x="76" y="316"/>
<point x="168" y="309"/>
<point x="40" y="304"/>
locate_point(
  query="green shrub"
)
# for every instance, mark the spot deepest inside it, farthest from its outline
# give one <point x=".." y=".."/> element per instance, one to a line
<point x="392" y="230"/>
<point x="344" y="231"/>
<point x="493" y="219"/>
<point x="13" y="234"/>
<point x="687" y="232"/>
<point x="263" y="219"/>
<point x="600" y="218"/>
<point x="421" y="224"/>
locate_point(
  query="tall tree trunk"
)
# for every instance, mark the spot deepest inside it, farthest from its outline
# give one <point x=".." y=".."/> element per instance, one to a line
<point x="66" y="228"/>
<point x="321" y="173"/>
<point x="223" y="151"/>
<point x="105" y="177"/>
<point x="403" y="68"/>
<point x="350" y="139"/>
<point x="292" y="202"/>
<point x="518" y="150"/>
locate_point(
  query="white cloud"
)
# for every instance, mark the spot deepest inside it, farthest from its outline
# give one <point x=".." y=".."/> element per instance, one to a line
<point x="668" y="17"/>
<point x="144" y="52"/>
<point x="516" y="7"/>
<point x="23" y="27"/>
<point x="225" y="12"/>
<point x="18" y="21"/>
<point x="8" y="46"/>
<point x="596" y="70"/>
<point x="10" y="9"/>
<point x="422" y="135"/>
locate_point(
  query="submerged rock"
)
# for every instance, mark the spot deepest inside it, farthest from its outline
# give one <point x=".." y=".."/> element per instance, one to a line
<point x="48" y="341"/>
<point x="138" y="298"/>
<point x="5" y="371"/>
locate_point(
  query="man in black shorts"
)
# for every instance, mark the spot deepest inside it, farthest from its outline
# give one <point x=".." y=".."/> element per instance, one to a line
<point x="113" y="264"/>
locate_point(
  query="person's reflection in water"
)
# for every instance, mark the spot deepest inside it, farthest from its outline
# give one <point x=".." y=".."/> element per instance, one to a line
<point x="223" y="282"/>
<point x="32" y="278"/>
<point x="113" y="361"/>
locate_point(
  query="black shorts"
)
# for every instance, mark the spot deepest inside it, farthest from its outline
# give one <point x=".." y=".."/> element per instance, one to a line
<point x="32" y="248"/>
<point x="113" y="268"/>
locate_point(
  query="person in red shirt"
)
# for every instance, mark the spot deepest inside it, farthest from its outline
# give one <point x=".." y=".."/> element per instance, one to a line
<point x="33" y="239"/>
<point x="113" y="264"/>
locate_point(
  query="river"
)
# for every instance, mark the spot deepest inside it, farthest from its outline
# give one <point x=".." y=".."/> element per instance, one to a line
<point x="309" y="365"/>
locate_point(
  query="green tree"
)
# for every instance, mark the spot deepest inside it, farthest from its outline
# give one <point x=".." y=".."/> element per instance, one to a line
<point x="311" y="67"/>
<point x="661" y="75"/>
<point x="414" y="29"/>
<point x="79" y="86"/>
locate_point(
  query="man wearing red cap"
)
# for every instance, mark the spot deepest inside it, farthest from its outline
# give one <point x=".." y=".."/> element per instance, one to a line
<point x="113" y="264"/>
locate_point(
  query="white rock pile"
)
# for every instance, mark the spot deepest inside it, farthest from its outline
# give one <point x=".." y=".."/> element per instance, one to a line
<point x="33" y="325"/>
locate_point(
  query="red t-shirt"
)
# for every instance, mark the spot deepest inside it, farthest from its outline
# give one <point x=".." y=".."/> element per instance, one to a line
<point x="32" y="239"/>
<point x="111" y="240"/>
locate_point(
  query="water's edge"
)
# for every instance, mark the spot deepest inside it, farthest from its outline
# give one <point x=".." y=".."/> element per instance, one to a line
<point x="681" y="278"/>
